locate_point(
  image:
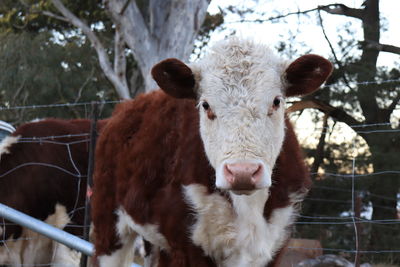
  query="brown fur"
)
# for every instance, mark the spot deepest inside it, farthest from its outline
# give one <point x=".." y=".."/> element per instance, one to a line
<point x="148" y="150"/>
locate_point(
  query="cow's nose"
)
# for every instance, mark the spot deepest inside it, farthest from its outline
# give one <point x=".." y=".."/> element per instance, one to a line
<point x="243" y="176"/>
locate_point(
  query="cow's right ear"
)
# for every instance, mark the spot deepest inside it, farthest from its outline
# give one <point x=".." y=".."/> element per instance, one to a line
<point x="175" y="78"/>
<point x="306" y="74"/>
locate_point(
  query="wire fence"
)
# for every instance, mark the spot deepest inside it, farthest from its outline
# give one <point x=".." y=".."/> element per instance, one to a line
<point x="56" y="164"/>
<point x="338" y="212"/>
<point x="350" y="195"/>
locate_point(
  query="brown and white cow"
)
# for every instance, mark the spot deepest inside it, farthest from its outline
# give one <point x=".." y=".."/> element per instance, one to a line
<point x="207" y="170"/>
<point x="43" y="169"/>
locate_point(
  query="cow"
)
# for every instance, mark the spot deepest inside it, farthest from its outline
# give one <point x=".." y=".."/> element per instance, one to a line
<point x="208" y="169"/>
<point x="43" y="168"/>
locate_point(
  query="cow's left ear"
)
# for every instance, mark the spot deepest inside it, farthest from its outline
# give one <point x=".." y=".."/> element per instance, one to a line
<point x="175" y="78"/>
<point x="306" y="74"/>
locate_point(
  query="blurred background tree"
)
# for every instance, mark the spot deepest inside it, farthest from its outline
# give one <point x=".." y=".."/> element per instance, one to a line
<point x="351" y="98"/>
<point x="47" y="61"/>
<point x="69" y="52"/>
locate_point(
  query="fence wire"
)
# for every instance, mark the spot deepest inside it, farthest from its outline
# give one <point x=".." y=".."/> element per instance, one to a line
<point x="347" y="218"/>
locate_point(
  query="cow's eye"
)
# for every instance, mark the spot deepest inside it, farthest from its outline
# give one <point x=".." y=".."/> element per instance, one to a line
<point x="275" y="105"/>
<point x="205" y="105"/>
<point x="277" y="102"/>
<point x="208" y="110"/>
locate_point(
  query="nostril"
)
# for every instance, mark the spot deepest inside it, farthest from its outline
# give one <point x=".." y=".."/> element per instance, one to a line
<point x="257" y="174"/>
<point x="257" y="170"/>
<point x="227" y="169"/>
<point x="229" y="176"/>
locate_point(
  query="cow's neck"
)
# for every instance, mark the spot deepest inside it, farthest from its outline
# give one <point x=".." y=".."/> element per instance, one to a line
<point x="245" y="205"/>
<point x="238" y="222"/>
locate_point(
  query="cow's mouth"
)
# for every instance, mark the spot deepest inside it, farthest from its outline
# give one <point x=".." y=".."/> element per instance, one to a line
<point x="243" y="192"/>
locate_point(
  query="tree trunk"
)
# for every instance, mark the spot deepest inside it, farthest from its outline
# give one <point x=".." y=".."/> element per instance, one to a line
<point x="383" y="188"/>
<point x="161" y="29"/>
<point x="366" y="94"/>
<point x="383" y="192"/>
<point x="384" y="147"/>
<point x="319" y="151"/>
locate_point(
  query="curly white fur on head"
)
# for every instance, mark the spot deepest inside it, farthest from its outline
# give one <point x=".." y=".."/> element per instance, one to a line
<point x="240" y="80"/>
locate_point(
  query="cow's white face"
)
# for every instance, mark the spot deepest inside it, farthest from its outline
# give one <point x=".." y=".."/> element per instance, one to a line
<point x="241" y="106"/>
<point x="241" y="87"/>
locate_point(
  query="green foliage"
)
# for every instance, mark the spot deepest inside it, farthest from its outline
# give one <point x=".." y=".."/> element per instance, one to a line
<point x="47" y="61"/>
<point x="37" y="71"/>
<point x="27" y="15"/>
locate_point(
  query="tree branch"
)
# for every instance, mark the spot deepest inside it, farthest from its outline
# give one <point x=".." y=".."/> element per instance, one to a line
<point x="43" y="12"/>
<point x="119" y="56"/>
<point x="124" y="7"/>
<point x="333" y="52"/>
<point x="340" y="9"/>
<point x="18" y="91"/>
<point x="326" y="8"/>
<point x="319" y="151"/>
<point x="368" y="44"/>
<point x="394" y="103"/>
<point x="334" y="112"/>
<point x="136" y="35"/>
<point x="122" y="89"/>
<point x="54" y="16"/>
<point x="78" y="96"/>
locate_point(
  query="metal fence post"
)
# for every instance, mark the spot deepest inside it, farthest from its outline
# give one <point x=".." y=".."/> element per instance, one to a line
<point x="89" y="186"/>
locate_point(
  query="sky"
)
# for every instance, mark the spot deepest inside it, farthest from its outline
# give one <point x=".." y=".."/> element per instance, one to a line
<point x="310" y="33"/>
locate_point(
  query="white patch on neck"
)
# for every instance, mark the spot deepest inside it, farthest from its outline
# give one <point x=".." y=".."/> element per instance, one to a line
<point x="7" y="143"/>
<point x="237" y="234"/>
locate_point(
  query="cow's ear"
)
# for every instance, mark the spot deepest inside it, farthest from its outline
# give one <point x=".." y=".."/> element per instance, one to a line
<point x="306" y="74"/>
<point x="175" y="78"/>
